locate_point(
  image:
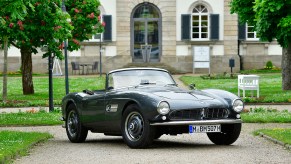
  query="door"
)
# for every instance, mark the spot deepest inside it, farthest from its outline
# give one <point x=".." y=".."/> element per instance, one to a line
<point x="145" y="35"/>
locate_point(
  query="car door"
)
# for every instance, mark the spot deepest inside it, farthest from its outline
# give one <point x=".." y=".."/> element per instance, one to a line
<point x="93" y="113"/>
<point x="114" y="102"/>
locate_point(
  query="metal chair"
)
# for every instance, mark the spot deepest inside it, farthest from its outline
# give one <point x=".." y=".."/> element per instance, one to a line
<point x="95" y="67"/>
<point x="75" y="67"/>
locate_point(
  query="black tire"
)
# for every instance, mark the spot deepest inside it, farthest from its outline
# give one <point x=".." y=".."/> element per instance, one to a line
<point x="229" y="134"/>
<point x="136" y="130"/>
<point x="75" y="131"/>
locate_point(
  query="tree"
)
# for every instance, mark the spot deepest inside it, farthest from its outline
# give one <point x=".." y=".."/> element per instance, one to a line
<point x="85" y="17"/>
<point x="49" y="26"/>
<point x="11" y="10"/>
<point x="272" y="20"/>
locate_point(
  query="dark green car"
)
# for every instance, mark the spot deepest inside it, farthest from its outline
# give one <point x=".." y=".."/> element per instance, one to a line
<point x="142" y="104"/>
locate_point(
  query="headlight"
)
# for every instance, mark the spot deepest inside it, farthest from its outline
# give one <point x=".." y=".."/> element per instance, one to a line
<point x="163" y="108"/>
<point x="238" y="105"/>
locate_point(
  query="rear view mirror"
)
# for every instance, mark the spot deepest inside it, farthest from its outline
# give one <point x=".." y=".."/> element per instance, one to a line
<point x="192" y="86"/>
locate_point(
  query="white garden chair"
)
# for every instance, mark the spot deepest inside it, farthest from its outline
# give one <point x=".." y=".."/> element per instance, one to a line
<point x="248" y="82"/>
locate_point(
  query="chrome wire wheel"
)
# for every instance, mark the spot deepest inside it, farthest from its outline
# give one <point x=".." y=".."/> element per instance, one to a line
<point x="72" y="123"/>
<point x="134" y="126"/>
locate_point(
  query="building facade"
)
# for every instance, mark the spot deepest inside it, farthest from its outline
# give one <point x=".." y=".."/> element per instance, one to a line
<point x="197" y="36"/>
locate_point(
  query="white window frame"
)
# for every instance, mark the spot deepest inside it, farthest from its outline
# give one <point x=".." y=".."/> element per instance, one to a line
<point x="200" y="14"/>
<point x="255" y="38"/>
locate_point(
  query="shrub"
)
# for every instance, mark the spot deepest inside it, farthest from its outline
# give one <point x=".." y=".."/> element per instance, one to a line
<point x="269" y="65"/>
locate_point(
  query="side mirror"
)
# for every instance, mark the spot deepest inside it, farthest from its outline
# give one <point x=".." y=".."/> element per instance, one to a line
<point x="192" y="86"/>
<point x="110" y="88"/>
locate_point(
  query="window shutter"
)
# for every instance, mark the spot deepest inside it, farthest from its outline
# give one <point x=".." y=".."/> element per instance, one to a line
<point x="185" y="26"/>
<point x="107" y="34"/>
<point x="214" y="26"/>
<point x="241" y="31"/>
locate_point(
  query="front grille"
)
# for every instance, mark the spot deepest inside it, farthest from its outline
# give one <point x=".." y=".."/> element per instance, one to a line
<point x="215" y="113"/>
<point x="199" y="114"/>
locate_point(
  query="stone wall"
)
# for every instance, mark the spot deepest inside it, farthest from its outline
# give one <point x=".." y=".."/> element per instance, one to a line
<point x="255" y="55"/>
<point x="230" y="37"/>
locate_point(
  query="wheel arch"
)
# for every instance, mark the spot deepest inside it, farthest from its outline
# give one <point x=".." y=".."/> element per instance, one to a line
<point x="130" y="102"/>
<point x="69" y="102"/>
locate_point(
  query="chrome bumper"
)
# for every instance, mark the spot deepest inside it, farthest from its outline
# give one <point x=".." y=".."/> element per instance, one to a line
<point x="200" y="122"/>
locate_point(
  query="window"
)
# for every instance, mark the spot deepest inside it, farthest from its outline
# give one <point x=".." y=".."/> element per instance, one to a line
<point x="98" y="36"/>
<point x="251" y="33"/>
<point x="200" y="23"/>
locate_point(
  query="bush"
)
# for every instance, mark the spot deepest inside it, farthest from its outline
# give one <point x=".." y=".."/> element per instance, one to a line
<point x="269" y="65"/>
<point x="219" y="76"/>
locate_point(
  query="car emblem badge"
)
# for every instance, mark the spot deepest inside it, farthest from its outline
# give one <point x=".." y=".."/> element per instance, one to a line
<point x="112" y="108"/>
<point x="202" y="113"/>
<point x="108" y="108"/>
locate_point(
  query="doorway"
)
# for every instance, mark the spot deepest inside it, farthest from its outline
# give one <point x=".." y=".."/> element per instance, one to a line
<point x="146" y="33"/>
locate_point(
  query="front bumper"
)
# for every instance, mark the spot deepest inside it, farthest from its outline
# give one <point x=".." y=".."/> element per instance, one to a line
<point x="199" y="122"/>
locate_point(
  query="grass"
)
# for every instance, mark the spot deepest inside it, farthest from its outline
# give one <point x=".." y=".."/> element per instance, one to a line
<point x="30" y="118"/>
<point x="262" y="115"/>
<point x="13" y="144"/>
<point x="270" y="87"/>
<point x="41" y="98"/>
<point x="280" y="134"/>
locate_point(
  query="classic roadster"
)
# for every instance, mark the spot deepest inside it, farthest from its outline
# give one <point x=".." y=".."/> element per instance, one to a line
<point x="142" y="104"/>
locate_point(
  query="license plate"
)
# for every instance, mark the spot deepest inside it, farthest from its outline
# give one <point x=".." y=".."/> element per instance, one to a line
<point x="204" y="128"/>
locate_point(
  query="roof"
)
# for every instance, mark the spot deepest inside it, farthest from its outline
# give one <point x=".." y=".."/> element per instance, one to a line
<point x="138" y="68"/>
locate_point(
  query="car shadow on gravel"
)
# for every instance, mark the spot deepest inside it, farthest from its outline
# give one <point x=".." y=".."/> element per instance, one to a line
<point x="157" y="144"/>
<point x="160" y="144"/>
<point x="109" y="141"/>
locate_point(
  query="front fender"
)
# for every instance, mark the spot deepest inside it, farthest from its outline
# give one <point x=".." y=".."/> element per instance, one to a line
<point x="222" y="95"/>
<point x="67" y="100"/>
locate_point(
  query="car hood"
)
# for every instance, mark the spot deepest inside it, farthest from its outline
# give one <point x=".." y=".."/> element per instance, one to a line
<point x="184" y="95"/>
<point x="176" y="93"/>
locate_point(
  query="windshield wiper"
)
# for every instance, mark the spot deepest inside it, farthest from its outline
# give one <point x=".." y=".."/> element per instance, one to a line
<point x="171" y="85"/>
<point x="146" y="83"/>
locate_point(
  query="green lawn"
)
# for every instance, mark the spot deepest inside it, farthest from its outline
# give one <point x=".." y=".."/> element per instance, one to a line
<point x="30" y="119"/>
<point x="280" y="134"/>
<point x="270" y="87"/>
<point x="41" y="98"/>
<point x="14" y="143"/>
<point x="262" y="115"/>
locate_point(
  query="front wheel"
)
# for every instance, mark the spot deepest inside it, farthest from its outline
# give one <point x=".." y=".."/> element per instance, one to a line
<point x="75" y="131"/>
<point x="136" y="130"/>
<point x="228" y="135"/>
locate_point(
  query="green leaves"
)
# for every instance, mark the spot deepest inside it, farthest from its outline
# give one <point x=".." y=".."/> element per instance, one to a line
<point x="84" y="16"/>
<point x="244" y="9"/>
<point x="43" y="23"/>
<point x="270" y="18"/>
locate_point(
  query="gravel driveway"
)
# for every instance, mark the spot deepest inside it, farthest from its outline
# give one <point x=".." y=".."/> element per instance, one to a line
<point x="168" y="149"/>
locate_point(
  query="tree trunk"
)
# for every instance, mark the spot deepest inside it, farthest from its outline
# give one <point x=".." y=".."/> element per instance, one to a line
<point x="286" y="68"/>
<point x="26" y="68"/>
<point x="4" y="95"/>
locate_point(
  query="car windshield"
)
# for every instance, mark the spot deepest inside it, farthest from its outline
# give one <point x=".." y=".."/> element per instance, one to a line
<point x="129" y="78"/>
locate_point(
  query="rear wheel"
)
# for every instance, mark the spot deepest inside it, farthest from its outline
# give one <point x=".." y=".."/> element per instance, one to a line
<point x="136" y="130"/>
<point x="228" y="135"/>
<point x="75" y="131"/>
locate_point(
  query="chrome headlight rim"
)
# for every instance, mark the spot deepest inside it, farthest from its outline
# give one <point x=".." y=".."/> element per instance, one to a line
<point x="238" y="108"/>
<point x="163" y="107"/>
